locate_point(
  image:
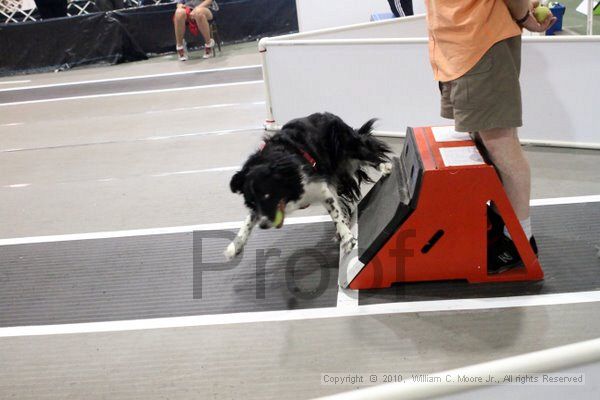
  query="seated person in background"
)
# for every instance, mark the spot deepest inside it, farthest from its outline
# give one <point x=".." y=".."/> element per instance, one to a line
<point x="401" y="8"/>
<point x="109" y="5"/>
<point x="195" y="14"/>
<point x="51" y="8"/>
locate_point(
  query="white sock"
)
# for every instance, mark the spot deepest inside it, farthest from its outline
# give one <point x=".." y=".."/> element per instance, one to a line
<point x="525" y="224"/>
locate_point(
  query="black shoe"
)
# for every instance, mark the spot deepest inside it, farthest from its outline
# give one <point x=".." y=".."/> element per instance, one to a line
<point x="503" y="255"/>
<point x="495" y="226"/>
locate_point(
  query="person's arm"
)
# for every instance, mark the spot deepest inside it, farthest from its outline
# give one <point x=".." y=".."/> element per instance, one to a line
<point x="518" y="8"/>
<point x="521" y="12"/>
<point x="206" y="3"/>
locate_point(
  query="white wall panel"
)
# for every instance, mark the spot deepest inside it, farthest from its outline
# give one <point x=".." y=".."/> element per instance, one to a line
<point x="319" y="14"/>
<point x="414" y="26"/>
<point x="391" y="79"/>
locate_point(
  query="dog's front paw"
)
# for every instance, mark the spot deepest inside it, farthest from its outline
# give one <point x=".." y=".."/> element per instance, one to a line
<point x="336" y="238"/>
<point x="348" y="243"/>
<point x="385" y="169"/>
<point x="231" y="251"/>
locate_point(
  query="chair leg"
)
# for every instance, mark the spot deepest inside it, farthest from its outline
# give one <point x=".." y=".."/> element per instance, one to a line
<point x="218" y="37"/>
<point x="214" y="32"/>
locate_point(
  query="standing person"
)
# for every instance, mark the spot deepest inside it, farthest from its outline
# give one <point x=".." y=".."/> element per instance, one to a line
<point x="401" y="8"/>
<point x="51" y="8"/>
<point x="109" y="5"/>
<point x="195" y="14"/>
<point x="475" y="53"/>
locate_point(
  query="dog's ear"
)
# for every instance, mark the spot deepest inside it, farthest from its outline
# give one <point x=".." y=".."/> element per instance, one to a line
<point x="237" y="181"/>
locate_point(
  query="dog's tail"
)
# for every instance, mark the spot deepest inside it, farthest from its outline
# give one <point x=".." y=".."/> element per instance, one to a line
<point x="367" y="127"/>
<point x="373" y="150"/>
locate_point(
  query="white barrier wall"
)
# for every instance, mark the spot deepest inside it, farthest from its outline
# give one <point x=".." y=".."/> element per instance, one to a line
<point x="391" y="79"/>
<point x="413" y="26"/>
<point x="320" y="14"/>
<point x="419" y="7"/>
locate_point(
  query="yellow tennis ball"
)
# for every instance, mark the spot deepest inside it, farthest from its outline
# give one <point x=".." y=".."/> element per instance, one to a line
<point x="278" y="218"/>
<point x="541" y="13"/>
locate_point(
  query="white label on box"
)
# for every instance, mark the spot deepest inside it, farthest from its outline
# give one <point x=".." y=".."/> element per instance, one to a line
<point x="448" y="134"/>
<point x="464" y="155"/>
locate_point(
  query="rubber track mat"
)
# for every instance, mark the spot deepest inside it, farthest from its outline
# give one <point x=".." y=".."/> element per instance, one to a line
<point x="199" y="78"/>
<point x="153" y="276"/>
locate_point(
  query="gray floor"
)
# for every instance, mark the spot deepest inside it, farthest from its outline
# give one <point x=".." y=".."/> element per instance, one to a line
<point x="164" y="159"/>
<point x="277" y="360"/>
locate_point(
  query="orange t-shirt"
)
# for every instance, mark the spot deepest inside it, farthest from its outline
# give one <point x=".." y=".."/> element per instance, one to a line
<point x="461" y="31"/>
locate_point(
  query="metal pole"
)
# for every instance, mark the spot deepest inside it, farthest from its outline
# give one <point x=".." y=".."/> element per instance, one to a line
<point x="590" y="17"/>
<point x="555" y="359"/>
<point x="270" y="121"/>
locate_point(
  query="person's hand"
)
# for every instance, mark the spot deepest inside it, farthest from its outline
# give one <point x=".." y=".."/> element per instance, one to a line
<point x="532" y="25"/>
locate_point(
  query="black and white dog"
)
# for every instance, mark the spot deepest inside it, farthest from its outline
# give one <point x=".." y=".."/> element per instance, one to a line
<point x="318" y="158"/>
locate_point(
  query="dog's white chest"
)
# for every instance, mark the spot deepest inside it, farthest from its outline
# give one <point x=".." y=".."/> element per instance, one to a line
<point x="313" y="193"/>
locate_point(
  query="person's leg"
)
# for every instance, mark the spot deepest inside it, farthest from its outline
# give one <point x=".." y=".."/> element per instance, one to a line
<point x="59" y="8"/>
<point x="407" y="6"/>
<point x="44" y="7"/>
<point x="487" y="100"/>
<point x="393" y="8"/>
<point x="179" y="25"/>
<point x="55" y="7"/>
<point x="202" y="15"/>
<point x="63" y="8"/>
<point x="505" y="152"/>
<point x="103" y="5"/>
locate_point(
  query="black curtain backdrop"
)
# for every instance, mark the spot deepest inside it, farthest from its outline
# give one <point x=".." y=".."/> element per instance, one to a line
<point x="129" y="35"/>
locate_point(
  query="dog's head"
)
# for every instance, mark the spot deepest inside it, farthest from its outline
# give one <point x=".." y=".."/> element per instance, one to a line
<point x="267" y="187"/>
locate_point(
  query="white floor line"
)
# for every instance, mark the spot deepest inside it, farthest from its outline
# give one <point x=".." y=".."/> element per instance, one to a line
<point x="231" y="225"/>
<point x="524" y="141"/>
<point x="565" y="200"/>
<point x="347" y="298"/>
<point x="209" y="106"/>
<point x="126" y="78"/>
<point x="198" y="171"/>
<point x="205" y="133"/>
<point x="150" y="231"/>
<point x="149" y="138"/>
<point x="13" y="82"/>
<point x="304" y="314"/>
<point x="111" y="179"/>
<point x="92" y="96"/>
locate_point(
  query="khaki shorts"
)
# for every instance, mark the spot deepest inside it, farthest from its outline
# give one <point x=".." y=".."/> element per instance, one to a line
<point x="489" y="95"/>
